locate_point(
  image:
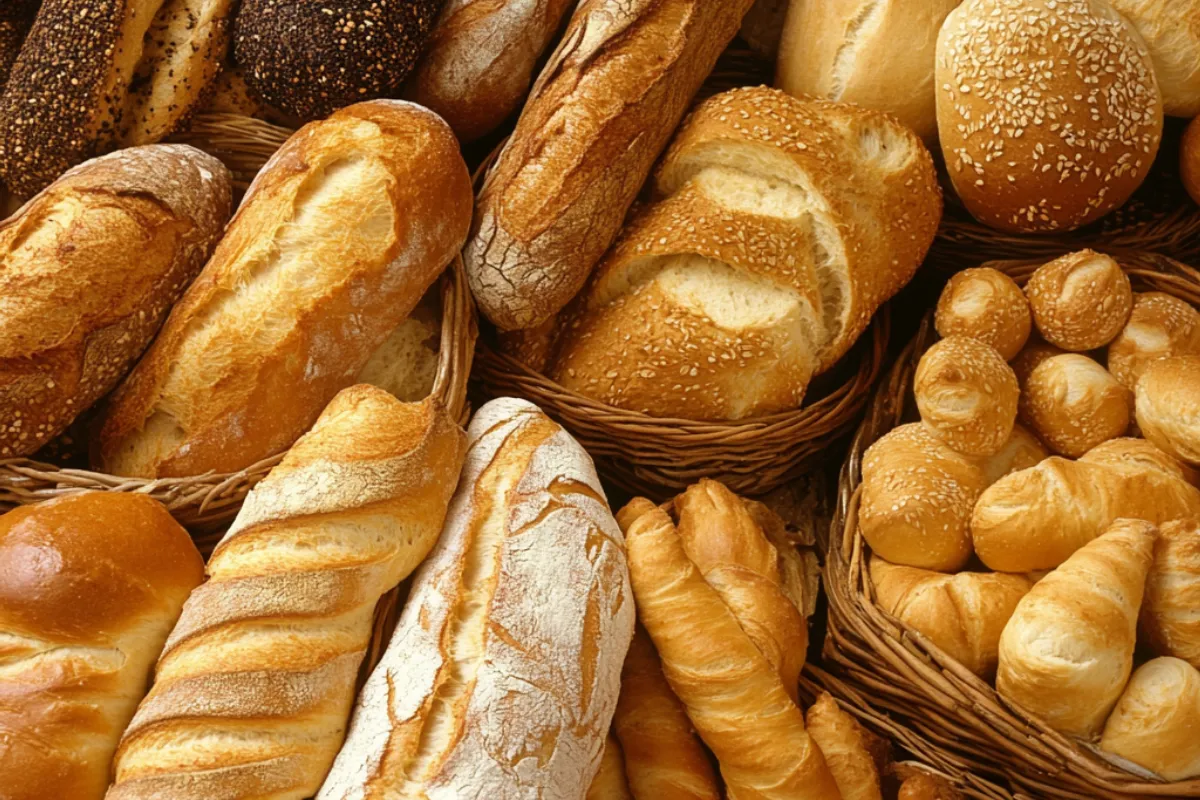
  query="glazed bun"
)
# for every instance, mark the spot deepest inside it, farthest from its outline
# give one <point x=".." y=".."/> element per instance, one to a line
<point x="967" y="395"/>
<point x="1049" y="113"/>
<point x="1080" y="301"/>
<point x="1073" y="404"/>
<point x="1168" y="406"/>
<point x="1160" y="326"/>
<point x="987" y="305"/>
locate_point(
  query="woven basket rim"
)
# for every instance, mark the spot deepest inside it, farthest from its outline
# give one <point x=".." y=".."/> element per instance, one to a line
<point x="957" y="717"/>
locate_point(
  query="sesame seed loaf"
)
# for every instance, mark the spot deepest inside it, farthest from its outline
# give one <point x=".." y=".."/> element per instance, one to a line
<point x="309" y="59"/>
<point x="1080" y="301"/>
<point x="336" y="241"/>
<point x="100" y="74"/>
<point x="967" y="395"/>
<point x="598" y="116"/>
<point x="88" y="271"/>
<point x="1049" y="113"/>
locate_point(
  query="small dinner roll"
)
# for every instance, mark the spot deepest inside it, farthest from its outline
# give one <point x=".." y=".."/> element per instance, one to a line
<point x="985" y="304"/>
<point x="967" y="395"/>
<point x="1080" y="301"/>
<point x="1031" y="356"/>
<point x="1155" y="722"/>
<point x="1073" y="404"/>
<point x="1160" y="326"/>
<point x="1168" y="406"/>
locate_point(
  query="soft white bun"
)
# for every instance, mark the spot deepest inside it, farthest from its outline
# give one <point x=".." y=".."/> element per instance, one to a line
<point x="1080" y="301"/>
<point x="1171" y="31"/>
<point x="1170" y="622"/>
<point x="1073" y="404"/>
<point x="987" y="305"/>
<point x="1156" y="723"/>
<point x="1168" y="406"/>
<point x="967" y="395"/>
<point x="1160" y="326"/>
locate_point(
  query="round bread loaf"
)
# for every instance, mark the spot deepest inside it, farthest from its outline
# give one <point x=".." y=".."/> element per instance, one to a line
<point x="1154" y="722"/>
<point x="1168" y="406"/>
<point x="1080" y="301"/>
<point x="987" y="305"/>
<point x="1169" y="620"/>
<point x="310" y="59"/>
<point x="1171" y="31"/>
<point x="1160" y="326"/>
<point x="1073" y="404"/>
<point x="967" y="395"/>
<point x="1049" y="113"/>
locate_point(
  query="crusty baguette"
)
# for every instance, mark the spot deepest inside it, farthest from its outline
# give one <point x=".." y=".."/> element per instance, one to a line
<point x="90" y="585"/>
<point x="99" y="74"/>
<point x="597" y="118"/>
<point x="503" y="673"/>
<point x="480" y="60"/>
<point x="1169" y="619"/>
<point x="334" y="244"/>
<point x="610" y="782"/>
<point x="91" y="266"/>
<point x="847" y="748"/>
<point x="253" y="691"/>
<point x="1154" y="723"/>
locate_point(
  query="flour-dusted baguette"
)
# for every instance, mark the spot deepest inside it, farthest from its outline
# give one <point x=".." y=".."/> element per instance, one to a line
<point x="90" y="585"/>
<point x="503" y="673"/>
<point x="598" y="116"/>
<point x="480" y="60"/>
<point x="88" y="271"/>
<point x="98" y="74"/>
<point x="253" y="692"/>
<point x="336" y="241"/>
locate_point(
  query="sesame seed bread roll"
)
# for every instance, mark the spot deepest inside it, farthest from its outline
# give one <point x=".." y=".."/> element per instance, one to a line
<point x="1127" y="452"/>
<point x="16" y="18"/>
<point x="1065" y="139"/>
<point x="1073" y="404"/>
<point x="336" y="241"/>
<point x="101" y="74"/>
<point x="962" y="614"/>
<point x="1160" y="326"/>
<point x="1080" y="301"/>
<point x="986" y="305"/>
<point x="847" y="748"/>
<point x="90" y="585"/>
<point x="610" y="782"/>
<point x="1031" y="357"/>
<point x="480" y="60"/>
<point x="91" y="267"/>
<point x="1169" y="619"/>
<point x="1171" y="31"/>
<point x="1168" y="406"/>
<point x="1154" y="723"/>
<point x="967" y="395"/>
<point x="1067" y="652"/>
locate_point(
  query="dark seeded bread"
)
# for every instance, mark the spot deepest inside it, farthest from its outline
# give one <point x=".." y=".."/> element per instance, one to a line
<point x="15" y="18"/>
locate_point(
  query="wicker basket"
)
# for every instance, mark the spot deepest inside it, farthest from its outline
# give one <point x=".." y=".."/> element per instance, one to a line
<point x="205" y="501"/>
<point x="954" y="720"/>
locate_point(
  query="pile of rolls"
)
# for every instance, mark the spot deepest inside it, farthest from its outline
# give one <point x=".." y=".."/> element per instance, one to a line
<point x="1026" y="529"/>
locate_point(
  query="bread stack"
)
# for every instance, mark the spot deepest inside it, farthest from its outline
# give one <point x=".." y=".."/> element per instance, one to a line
<point x="1035" y="554"/>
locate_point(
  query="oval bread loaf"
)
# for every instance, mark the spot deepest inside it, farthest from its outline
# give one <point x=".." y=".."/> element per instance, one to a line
<point x="1168" y="406"/>
<point x="91" y="266"/>
<point x="1073" y="404"/>
<point x="1154" y="723"/>
<point x="987" y="305"/>
<point x="1160" y="326"/>
<point x="1080" y="301"/>
<point x="967" y="395"/>
<point x="1169" y="618"/>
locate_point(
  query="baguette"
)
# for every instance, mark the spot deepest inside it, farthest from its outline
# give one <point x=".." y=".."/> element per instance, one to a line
<point x="91" y="267"/>
<point x="336" y="241"/>
<point x="503" y="673"/>
<point x="253" y="691"/>
<point x="1169" y="619"/>
<point x="599" y="114"/>
<point x="987" y="305"/>
<point x="1154" y="723"/>
<point x="90" y="585"/>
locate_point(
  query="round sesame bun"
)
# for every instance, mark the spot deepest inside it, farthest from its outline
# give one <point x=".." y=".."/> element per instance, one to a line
<point x="986" y="305"/>
<point x="1160" y="326"/>
<point x="1032" y="354"/>
<point x="967" y="395"/>
<point x="1049" y="112"/>
<point x="1080" y="301"/>
<point x="1189" y="159"/>
<point x="1073" y="404"/>
<point x="310" y="59"/>
<point x="1171" y="31"/>
<point x="1168" y="406"/>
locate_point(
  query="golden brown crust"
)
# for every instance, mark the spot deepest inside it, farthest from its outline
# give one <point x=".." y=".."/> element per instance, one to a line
<point x="1080" y="301"/>
<point x="1073" y="404"/>
<point x="610" y="782"/>
<point x="1169" y="619"/>
<point x="1154" y="722"/>
<point x="1160" y="326"/>
<point x="967" y="395"/>
<point x="1168" y="406"/>
<point x="987" y="305"/>
<point x="847" y="748"/>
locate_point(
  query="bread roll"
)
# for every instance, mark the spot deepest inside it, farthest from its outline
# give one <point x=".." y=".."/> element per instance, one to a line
<point x="598" y="116"/>
<point x="1139" y="454"/>
<point x="1169" y="619"/>
<point x="610" y="782"/>
<point x="1159" y="326"/>
<point x="91" y="266"/>
<point x="94" y="75"/>
<point x="90" y="585"/>
<point x="1155" y="721"/>
<point x="1171" y="31"/>
<point x="1067" y="652"/>
<point x="1049" y="113"/>
<point x="253" y="692"/>
<point x="1031" y="357"/>
<point x="722" y="298"/>
<point x="1073" y="404"/>
<point x="1080" y="301"/>
<point x="503" y="673"/>
<point x="923" y="786"/>
<point x="1168" y="406"/>
<point x="732" y="690"/>
<point x="310" y="59"/>
<point x="962" y="614"/>
<point x="480" y="60"/>
<point x="1036" y="518"/>
<point x="847" y="749"/>
<point x="16" y="17"/>
<point x="663" y="757"/>
<point x="986" y="305"/>
<point x="967" y="395"/>
<point x="334" y="244"/>
<point x="879" y="55"/>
